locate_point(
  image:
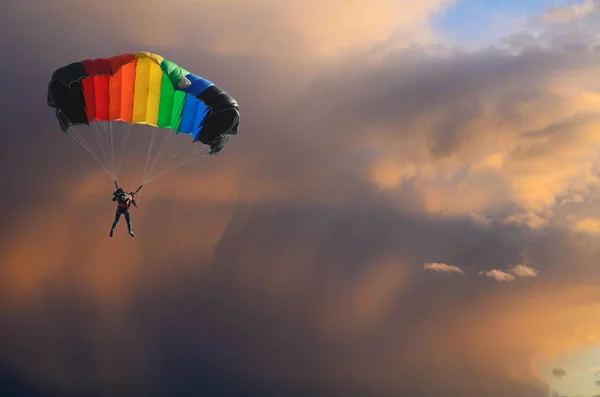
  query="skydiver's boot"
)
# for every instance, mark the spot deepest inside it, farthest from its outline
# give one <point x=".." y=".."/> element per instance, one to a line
<point x="131" y="233"/>
<point x="111" y="232"/>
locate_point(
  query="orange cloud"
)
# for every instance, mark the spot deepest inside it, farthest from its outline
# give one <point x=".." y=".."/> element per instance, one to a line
<point x="296" y="30"/>
<point x="512" y="274"/>
<point x="69" y="242"/>
<point x="480" y="151"/>
<point x="499" y="275"/>
<point x="564" y="14"/>
<point x="442" y="268"/>
<point x="524" y="271"/>
<point x="499" y="337"/>
<point x="588" y="225"/>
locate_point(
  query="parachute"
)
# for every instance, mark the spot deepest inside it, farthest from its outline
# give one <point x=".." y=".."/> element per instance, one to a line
<point x="142" y="89"/>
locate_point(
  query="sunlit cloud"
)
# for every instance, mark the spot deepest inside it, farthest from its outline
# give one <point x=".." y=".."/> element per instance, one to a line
<point x="529" y="219"/>
<point x="567" y="13"/>
<point x="588" y="225"/>
<point x="442" y="268"/>
<point x="303" y="31"/>
<point x="500" y="134"/>
<point x="511" y="274"/>
<point x="524" y="271"/>
<point x="498" y="275"/>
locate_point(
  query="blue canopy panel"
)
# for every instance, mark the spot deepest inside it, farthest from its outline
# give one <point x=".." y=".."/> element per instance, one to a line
<point x="194" y="110"/>
<point x="199" y="85"/>
<point x="193" y="115"/>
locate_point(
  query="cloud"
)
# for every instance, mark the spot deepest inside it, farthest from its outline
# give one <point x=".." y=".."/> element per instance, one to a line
<point x="425" y="145"/>
<point x="529" y="219"/>
<point x="503" y="132"/>
<point x="498" y="275"/>
<point x="442" y="268"/>
<point x="588" y="225"/>
<point x="577" y="198"/>
<point x="568" y="13"/>
<point x="299" y="242"/>
<point x="524" y="271"/>
<point x="559" y="372"/>
<point x="298" y="31"/>
<point x="512" y="274"/>
<point x="272" y="288"/>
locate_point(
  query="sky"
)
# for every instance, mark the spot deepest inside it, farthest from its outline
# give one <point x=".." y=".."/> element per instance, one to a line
<point x="411" y="206"/>
<point x="472" y="22"/>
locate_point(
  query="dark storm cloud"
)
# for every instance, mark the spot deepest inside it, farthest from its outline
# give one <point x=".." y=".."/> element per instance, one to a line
<point x="277" y="312"/>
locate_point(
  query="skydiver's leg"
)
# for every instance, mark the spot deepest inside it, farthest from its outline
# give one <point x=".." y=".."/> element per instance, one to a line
<point x="117" y="217"/>
<point x="114" y="225"/>
<point x="128" y="219"/>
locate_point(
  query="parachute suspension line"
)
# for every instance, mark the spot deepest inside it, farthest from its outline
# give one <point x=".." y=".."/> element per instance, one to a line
<point x="105" y="146"/>
<point x="149" y="151"/>
<point x="109" y="153"/>
<point x="122" y="151"/>
<point x="193" y="156"/>
<point x="166" y="138"/>
<point x="148" y="174"/>
<point x="96" y="137"/>
<point x="147" y="177"/>
<point x="139" y="195"/>
<point x="110" y="158"/>
<point x="159" y="151"/>
<point x="163" y="147"/>
<point x="104" y="141"/>
<point x="109" y="146"/>
<point x="183" y="162"/>
<point x="100" y="141"/>
<point x="112" y="146"/>
<point x="76" y="135"/>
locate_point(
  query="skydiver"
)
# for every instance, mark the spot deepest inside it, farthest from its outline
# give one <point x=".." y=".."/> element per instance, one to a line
<point x="124" y="200"/>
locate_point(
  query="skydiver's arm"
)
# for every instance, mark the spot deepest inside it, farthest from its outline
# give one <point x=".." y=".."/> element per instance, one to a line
<point x="132" y="194"/>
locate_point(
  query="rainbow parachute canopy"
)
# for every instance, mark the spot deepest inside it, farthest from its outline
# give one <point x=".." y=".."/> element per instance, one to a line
<point x="143" y="88"/>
